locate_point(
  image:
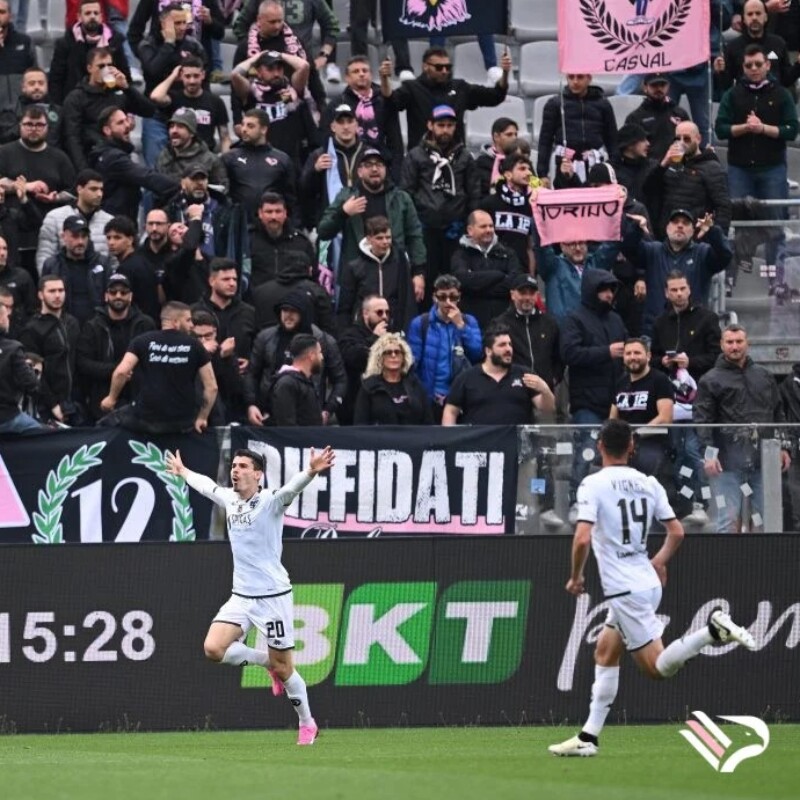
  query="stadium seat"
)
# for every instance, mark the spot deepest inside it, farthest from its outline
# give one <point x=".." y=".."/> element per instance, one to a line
<point x="533" y="20"/>
<point x="468" y="64"/>
<point x="538" y="69"/>
<point x="623" y="104"/>
<point x="479" y="122"/>
<point x="538" y="113"/>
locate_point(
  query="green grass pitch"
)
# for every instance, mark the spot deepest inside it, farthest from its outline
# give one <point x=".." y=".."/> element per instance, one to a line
<point x="635" y="763"/>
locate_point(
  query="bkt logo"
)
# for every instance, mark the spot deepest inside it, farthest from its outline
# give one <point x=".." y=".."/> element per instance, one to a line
<point x="717" y="748"/>
<point x="387" y="634"/>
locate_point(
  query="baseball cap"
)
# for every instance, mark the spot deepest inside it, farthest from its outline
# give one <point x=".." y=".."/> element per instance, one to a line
<point x="185" y="117"/>
<point x="655" y="77"/>
<point x="118" y="279"/>
<point x="443" y="112"/>
<point x="372" y="152"/>
<point x="343" y="110"/>
<point x="269" y="59"/>
<point x="525" y="282"/>
<point x="75" y="223"/>
<point x="681" y="212"/>
<point x="192" y="170"/>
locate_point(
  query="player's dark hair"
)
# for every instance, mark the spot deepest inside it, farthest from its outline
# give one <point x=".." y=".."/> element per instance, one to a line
<point x="301" y="343"/>
<point x="616" y="437"/>
<point x="503" y="123"/>
<point x="256" y="458"/>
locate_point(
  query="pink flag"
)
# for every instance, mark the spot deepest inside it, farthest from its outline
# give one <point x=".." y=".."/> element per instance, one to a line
<point x="578" y="215"/>
<point x="615" y="36"/>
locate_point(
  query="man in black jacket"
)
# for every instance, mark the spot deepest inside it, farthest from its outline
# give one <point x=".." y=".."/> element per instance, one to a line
<point x="436" y="86"/>
<point x="294" y="399"/>
<point x="17" y="378"/>
<point x="123" y="178"/>
<point x="633" y="165"/>
<point x="33" y="90"/>
<point x="104" y="340"/>
<point x="53" y="335"/>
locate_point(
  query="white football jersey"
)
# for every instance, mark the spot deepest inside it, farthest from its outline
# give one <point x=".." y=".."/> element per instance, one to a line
<point x="255" y="530"/>
<point x="622" y="502"/>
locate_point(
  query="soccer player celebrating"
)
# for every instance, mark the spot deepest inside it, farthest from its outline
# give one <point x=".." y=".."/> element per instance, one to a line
<point x="616" y="507"/>
<point x="262" y="592"/>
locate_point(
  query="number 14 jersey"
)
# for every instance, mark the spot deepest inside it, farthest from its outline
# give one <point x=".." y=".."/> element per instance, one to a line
<point x="621" y="503"/>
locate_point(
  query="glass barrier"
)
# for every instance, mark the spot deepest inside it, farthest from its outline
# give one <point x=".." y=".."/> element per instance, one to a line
<point x="719" y="478"/>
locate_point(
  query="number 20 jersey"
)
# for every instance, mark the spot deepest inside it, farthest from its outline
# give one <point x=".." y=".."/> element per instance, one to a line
<point x="622" y="502"/>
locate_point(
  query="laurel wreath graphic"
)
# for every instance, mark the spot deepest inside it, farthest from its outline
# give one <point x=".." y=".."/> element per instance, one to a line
<point x="47" y="520"/>
<point x="619" y="38"/>
<point x="154" y="459"/>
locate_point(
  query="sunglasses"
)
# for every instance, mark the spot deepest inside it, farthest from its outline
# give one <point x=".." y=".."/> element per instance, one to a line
<point x="381" y="312"/>
<point x="121" y="292"/>
<point x="392" y="352"/>
<point x="445" y="296"/>
<point x="755" y="64"/>
<point x="440" y="67"/>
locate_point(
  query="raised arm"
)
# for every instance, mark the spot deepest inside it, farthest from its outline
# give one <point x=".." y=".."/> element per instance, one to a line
<point x="318" y="462"/>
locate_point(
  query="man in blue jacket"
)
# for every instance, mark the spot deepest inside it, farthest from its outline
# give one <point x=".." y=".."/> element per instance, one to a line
<point x="444" y="342"/>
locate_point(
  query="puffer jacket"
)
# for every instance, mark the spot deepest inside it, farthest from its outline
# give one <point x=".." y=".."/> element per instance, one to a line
<point x="434" y="352"/>
<point x="50" y="232"/>
<point x="732" y="395"/>
<point x="589" y="121"/>
<point x="92" y="269"/>
<point x="585" y="338"/>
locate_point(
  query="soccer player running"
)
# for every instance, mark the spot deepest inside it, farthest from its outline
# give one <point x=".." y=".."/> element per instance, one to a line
<point x="262" y="592"/>
<point x="616" y="507"/>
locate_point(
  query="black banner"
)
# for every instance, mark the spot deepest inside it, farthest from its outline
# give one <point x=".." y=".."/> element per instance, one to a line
<point x="101" y="485"/>
<point x="395" y="480"/>
<point x="419" y="19"/>
<point x="429" y="632"/>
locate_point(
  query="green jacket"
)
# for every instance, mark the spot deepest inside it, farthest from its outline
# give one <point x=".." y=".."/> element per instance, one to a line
<point x="406" y="227"/>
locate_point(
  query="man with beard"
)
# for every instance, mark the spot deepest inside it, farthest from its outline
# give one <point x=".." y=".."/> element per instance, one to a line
<point x="33" y="91"/>
<point x="124" y="179"/>
<point x="184" y="88"/>
<point x="439" y="174"/>
<point x="48" y="173"/>
<point x="83" y="271"/>
<point x="373" y="196"/>
<point x="17" y="378"/>
<point x="497" y="392"/>
<point x="104" y="340"/>
<point x="488" y="163"/>
<point x="89" y="198"/>
<point x="53" y="334"/>
<point x="378" y="124"/>
<point x="255" y="167"/>
<point x="644" y="397"/>
<point x="271" y="351"/>
<point x="293" y="397"/>
<point x="103" y="86"/>
<point x="355" y="343"/>
<point x="689" y="177"/>
<point x="658" y="114"/>
<point x="291" y="126"/>
<point x="68" y="66"/>
<point x="186" y="149"/>
<point x="728" y="67"/>
<point x="332" y="167"/>
<point x="511" y="211"/>
<point x="436" y="86"/>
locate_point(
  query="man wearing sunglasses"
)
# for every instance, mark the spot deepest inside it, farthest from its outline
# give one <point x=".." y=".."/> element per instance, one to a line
<point x="104" y="339"/>
<point x="436" y="86"/>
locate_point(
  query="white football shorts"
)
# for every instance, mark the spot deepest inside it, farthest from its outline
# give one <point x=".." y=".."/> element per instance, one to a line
<point x="273" y="617"/>
<point x="634" y="616"/>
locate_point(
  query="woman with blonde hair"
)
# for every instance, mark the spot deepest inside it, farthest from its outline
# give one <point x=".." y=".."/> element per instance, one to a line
<point x="390" y="393"/>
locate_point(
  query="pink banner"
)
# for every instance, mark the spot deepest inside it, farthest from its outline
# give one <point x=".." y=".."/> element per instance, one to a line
<point x="578" y="215"/>
<point x="637" y="36"/>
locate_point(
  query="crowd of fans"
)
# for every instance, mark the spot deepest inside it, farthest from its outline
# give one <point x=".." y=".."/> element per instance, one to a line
<point x="312" y="267"/>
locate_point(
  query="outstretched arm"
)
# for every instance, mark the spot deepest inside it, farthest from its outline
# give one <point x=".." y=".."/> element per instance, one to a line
<point x="200" y="483"/>
<point x="318" y="462"/>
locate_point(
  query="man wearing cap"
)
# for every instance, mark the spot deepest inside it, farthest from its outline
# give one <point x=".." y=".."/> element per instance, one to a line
<point x="373" y="196"/>
<point x="535" y="337"/>
<point x="658" y="114"/>
<point x="83" y="271"/>
<point x="486" y="268"/>
<point x="698" y="248"/>
<point x="104" y="339"/>
<point x="94" y="93"/>
<point x="631" y="162"/>
<point x="440" y="175"/>
<point x="186" y="150"/>
<point x="280" y="97"/>
<point x="689" y="177"/>
<point x="332" y="167"/>
<point x="436" y="86"/>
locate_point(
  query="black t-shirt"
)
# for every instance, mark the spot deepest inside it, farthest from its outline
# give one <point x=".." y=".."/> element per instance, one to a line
<point x="208" y="108"/>
<point x="636" y="401"/>
<point x="169" y="362"/>
<point x="376" y="204"/>
<point x="485" y="401"/>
